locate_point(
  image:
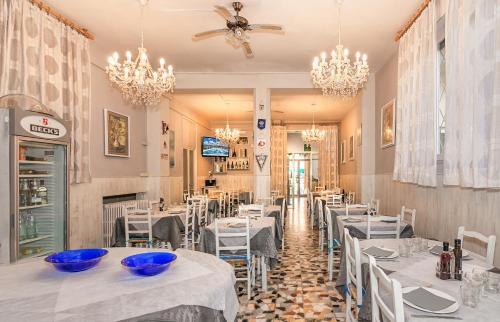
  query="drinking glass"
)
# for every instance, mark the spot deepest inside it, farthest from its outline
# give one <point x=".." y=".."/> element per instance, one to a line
<point x="470" y="293"/>
<point x="416" y="244"/>
<point x="481" y="276"/>
<point x="424" y="245"/>
<point x="492" y="283"/>
<point x="404" y="248"/>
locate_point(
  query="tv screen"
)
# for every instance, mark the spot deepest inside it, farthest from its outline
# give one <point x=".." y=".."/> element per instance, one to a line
<point x="213" y="147"/>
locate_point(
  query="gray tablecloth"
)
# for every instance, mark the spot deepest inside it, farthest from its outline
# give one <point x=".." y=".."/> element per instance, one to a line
<point x="184" y="313"/>
<point x="167" y="229"/>
<point x="335" y="212"/>
<point x="276" y="214"/>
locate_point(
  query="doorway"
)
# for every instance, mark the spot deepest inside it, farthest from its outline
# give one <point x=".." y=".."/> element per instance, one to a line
<point x="188" y="171"/>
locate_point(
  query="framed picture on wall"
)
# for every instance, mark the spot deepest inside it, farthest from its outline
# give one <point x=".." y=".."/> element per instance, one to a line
<point x="388" y="124"/>
<point x="351" y="147"/>
<point x="342" y="151"/>
<point x="116" y="134"/>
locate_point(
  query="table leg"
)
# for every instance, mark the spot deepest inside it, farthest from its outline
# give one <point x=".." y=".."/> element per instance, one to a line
<point x="263" y="273"/>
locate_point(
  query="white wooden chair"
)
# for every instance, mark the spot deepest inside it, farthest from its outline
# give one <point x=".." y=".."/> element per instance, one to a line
<point x="351" y="197"/>
<point x="332" y="243"/>
<point x="321" y="224"/>
<point x="333" y="200"/>
<point x="222" y="205"/>
<point x="354" y="278"/>
<point x="233" y="202"/>
<point x="347" y="207"/>
<point x="239" y="249"/>
<point x="374" y="205"/>
<point x="411" y="214"/>
<point x="265" y="201"/>
<point x="189" y="234"/>
<point x="138" y="227"/>
<point x="489" y="241"/>
<point x="282" y="217"/>
<point x="311" y="209"/>
<point x="319" y="188"/>
<point x="390" y="220"/>
<point x="202" y="212"/>
<point x="391" y="290"/>
<point x="255" y="211"/>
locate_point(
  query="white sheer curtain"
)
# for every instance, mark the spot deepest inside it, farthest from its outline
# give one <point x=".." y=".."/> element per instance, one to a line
<point x="415" y="157"/>
<point x="472" y="146"/>
<point x="45" y="59"/>
<point x="328" y="158"/>
<point x="279" y="158"/>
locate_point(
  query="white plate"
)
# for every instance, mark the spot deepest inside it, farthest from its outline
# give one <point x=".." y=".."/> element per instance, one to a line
<point x="450" y="309"/>
<point x="464" y="252"/>
<point x="394" y="254"/>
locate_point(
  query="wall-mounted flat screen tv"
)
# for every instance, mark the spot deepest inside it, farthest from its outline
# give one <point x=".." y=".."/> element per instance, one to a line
<point x="213" y="147"/>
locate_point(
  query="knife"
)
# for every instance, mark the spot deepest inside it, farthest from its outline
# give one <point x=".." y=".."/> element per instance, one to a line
<point x="436" y="316"/>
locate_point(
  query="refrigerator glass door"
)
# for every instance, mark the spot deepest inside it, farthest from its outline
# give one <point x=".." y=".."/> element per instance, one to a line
<point x="41" y="198"/>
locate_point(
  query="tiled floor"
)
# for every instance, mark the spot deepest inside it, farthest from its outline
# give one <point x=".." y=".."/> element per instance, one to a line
<point x="298" y="287"/>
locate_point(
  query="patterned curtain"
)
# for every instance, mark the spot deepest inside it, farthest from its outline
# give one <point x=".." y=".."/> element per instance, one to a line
<point x="279" y="159"/>
<point x="415" y="157"/>
<point x="45" y="59"/>
<point x="472" y="120"/>
<point x="328" y="158"/>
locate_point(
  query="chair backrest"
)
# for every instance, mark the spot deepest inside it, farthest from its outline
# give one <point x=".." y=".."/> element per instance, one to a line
<point x="351" y="197"/>
<point x="374" y="205"/>
<point x="189" y="224"/>
<point x="391" y="290"/>
<point x="222" y="205"/>
<point x="137" y="226"/>
<point x="329" y="227"/>
<point x="333" y="199"/>
<point x="321" y="217"/>
<point x="319" y="188"/>
<point x="489" y="241"/>
<point x="337" y="191"/>
<point x="394" y="224"/>
<point x="252" y="210"/>
<point x="408" y="216"/>
<point x="283" y="213"/>
<point x="240" y="240"/>
<point x="347" y="207"/>
<point x="353" y="274"/>
<point x="265" y="201"/>
<point x="275" y="193"/>
<point x="202" y="212"/>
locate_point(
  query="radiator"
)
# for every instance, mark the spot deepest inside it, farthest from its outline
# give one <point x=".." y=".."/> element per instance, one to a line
<point x="111" y="212"/>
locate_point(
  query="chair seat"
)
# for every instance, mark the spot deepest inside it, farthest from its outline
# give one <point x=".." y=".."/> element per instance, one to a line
<point x="233" y="257"/>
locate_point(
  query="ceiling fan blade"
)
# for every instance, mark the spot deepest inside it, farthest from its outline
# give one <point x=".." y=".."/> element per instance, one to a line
<point x="265" y="27"/>
<point x="224" y="12"/>
<point x="247" y="49"/>
<point x="210" y="33"/>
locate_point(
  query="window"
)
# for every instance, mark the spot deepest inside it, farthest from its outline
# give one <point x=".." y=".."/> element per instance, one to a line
<point x="441" y="96"/>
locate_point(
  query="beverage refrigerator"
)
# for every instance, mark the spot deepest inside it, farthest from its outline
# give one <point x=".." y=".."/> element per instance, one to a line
<point x="39" y="186"/>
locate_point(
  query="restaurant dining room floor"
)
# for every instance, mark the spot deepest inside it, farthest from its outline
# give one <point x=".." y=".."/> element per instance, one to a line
<point x="298" y="286"/>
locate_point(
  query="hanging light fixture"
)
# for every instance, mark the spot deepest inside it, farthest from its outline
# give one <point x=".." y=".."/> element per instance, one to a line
<point x="314" y="134"/>
<point x="227" y="135"/>
<point x="338" y="76"/>
<point x="138" y="82"/>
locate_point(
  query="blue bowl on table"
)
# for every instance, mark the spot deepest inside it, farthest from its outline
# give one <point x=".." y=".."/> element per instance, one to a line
<point x="148" y="264"/>
<point x="76" y="260"/>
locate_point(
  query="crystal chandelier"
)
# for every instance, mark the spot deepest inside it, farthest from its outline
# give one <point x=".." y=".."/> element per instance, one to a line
<point x="138" y="82"/>
<point x="338" y="76"/>
<point x="314" y="134"/>
<point x="227" y="135"/>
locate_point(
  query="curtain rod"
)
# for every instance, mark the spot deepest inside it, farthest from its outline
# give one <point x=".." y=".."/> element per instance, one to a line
<point x="68" y="22"/>
<point x="412" y="20"/>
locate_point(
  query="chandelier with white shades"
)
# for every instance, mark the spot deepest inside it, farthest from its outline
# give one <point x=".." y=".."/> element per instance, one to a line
<point x="227" y="135"/>
<point x="314" y="134"/>
<point x="138" y="82"/>
<point x="338" y="76"/>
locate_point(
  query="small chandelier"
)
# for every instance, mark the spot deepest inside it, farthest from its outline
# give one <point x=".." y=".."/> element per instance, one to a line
<point x="338" y="76"/>
<point x="227" y="135"/>
<point x="314" y="134"/>
<point x="138" y="82"/>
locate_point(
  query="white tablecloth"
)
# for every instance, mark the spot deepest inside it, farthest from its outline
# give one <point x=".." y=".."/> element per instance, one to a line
<point x="35" y="291"/>
<point x="419" y="270"/>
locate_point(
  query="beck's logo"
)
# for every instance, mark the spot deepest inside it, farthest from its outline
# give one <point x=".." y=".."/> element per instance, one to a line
<point x="44" y="129"/>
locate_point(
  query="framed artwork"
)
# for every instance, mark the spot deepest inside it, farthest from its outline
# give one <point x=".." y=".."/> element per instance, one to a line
<point x="171" y="146"/>
<point x="359" y="134"/>
<point x="388" y="124"/>
<point x="342" y="151"/>
<point x="351" y="147"/>
<point x="117" y="134"/>
<point x="242" y="140"/>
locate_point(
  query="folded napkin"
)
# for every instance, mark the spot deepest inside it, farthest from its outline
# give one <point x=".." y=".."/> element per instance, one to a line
<point x="352" y="220"/>
<point x="427" y="300"/>
<point x="378" y="252"/>
<point x="436" y="250"/>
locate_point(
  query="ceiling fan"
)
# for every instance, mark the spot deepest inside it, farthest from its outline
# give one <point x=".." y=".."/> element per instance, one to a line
<point x="236" y="28"/>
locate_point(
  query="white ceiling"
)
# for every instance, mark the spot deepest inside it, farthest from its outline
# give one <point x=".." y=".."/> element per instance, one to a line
<point x="310" y="28"/>
<point x="288" y="105"/>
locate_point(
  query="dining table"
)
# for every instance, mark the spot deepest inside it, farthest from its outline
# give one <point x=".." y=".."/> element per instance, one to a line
<point x="358" y="225"/>
<point x="196" y="287"/>
<point x="418" y="270"/>
<point x="167" y="226"/>
<point x="263" y="235"/>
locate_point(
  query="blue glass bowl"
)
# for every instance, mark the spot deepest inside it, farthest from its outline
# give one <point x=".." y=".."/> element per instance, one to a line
<point x="148" y="264"/>
<point x="76" y="260"/>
